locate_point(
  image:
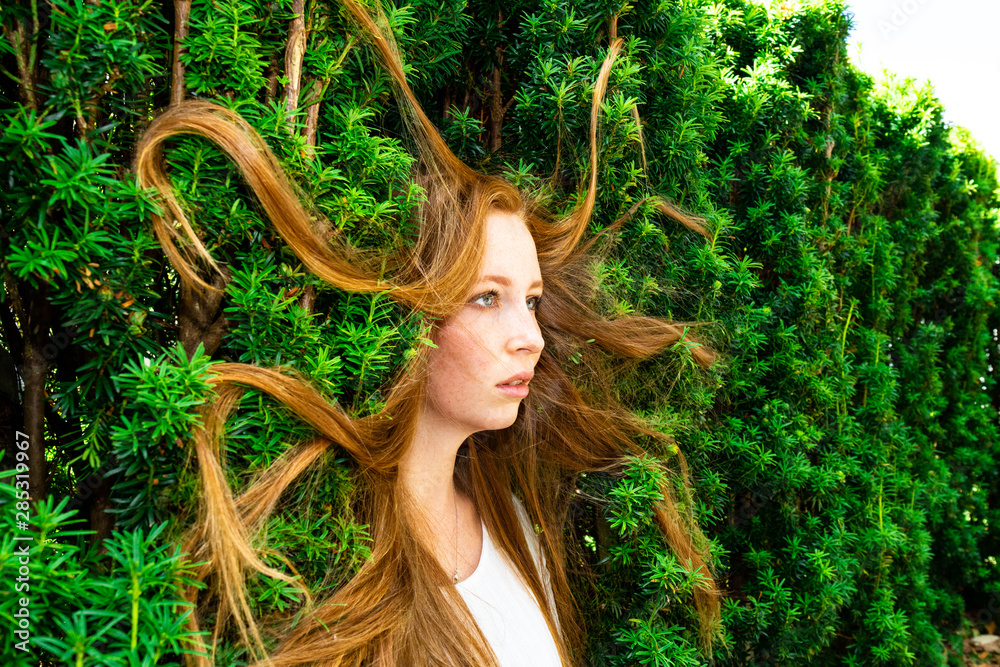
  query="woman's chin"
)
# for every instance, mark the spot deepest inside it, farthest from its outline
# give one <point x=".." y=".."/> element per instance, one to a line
<point x="501" y="420"/>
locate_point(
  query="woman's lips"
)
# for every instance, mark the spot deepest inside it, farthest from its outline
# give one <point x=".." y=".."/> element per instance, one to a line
<point x="515" y="390"/>
<point x="517" y="385"/>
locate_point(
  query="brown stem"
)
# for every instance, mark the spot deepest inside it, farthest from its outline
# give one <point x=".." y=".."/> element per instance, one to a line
<point x="293" y="55"/>
<point x="312" y="117"/>
<point x="446" y="101"/>
<point x="36" y="367"/>
<point x="642" y="144"/>
<point x="197" y="317"/>
<point x="18" y="38"/>
<point x="272" y="79"/>
<point x="496" y="111"/>
<point x="82" y="127"/>
<point x="94" y="103"/>
<point x="100" y="519"/>
<point x="497" y="108"/>
<point x="312" y="126"/>
<point x="182" y="12"/>
<point x="308" y="299"/>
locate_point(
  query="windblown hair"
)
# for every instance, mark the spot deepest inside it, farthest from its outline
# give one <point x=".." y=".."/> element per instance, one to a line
<point x="400" y="608"/>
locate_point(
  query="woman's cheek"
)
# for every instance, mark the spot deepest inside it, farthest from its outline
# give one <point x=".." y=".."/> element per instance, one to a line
<point x="457" y="363"/>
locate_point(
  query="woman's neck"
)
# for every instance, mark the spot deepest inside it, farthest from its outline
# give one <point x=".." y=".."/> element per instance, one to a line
<point x="427" y="469"/>
<point x="427" y="476"/>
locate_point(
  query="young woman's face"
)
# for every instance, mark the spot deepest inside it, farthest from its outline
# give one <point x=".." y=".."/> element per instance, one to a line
<point x="493" y="340"/>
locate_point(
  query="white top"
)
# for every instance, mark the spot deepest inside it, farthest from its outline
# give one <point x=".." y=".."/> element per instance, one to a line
<point x="505" y="609"/>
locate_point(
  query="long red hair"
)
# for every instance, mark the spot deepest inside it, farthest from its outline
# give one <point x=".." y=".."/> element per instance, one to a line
<point x="400" y="609"/>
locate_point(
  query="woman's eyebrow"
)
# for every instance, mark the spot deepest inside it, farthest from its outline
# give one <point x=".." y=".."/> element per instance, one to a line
<point x="505" y="281"/>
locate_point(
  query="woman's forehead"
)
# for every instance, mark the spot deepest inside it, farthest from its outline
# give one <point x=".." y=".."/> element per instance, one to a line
<point x="510" y="249"/>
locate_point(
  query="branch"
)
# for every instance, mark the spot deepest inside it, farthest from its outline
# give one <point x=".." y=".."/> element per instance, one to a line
<point x="496" y="111"/>
<point x="497" y="108"/>
<point x="272" y="78"/>
<point x="182" y="11"/>
<point x="196" y="316"/>
<point x="509" y="104"/>
<point x="312" y="117"/>
<point x="308" y="299"/>
<point x="36" y="367"/>
<point x="24" y="54"/>
<point x="642" y="144"/>
<point x="293" y="55"/>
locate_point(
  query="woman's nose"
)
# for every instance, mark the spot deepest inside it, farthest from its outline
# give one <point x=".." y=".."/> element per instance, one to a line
<point x="525" y="332"/>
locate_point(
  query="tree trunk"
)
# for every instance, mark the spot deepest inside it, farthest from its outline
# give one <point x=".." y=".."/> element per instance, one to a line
<point x="22" y="39"/>
<point x="99" y="519"/>
<point x="182" y="11"/>
<point x="496" y="111"/>
<point x="293" y="55"/>
<point x="199" y="318"/>
<point x="312" y="116"/>
<point x="272" y="79"/>
<point x="36" y="367"/>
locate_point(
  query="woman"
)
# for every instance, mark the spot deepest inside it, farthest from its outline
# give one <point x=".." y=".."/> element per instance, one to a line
<point x="467" y="473"/>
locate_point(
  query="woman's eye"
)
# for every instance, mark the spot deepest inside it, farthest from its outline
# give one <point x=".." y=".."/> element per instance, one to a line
<point x="488" y="299"/>
<point x="533" y="302"/>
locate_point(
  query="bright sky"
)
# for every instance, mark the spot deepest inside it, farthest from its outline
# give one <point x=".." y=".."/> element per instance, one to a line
<point x="954" y="43"/>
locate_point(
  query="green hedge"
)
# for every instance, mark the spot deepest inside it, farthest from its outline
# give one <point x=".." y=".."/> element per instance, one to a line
<point x="845" y="449"/>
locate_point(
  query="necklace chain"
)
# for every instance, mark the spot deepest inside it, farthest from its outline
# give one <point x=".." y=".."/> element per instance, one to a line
<point x="455" y="578"/>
